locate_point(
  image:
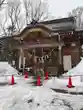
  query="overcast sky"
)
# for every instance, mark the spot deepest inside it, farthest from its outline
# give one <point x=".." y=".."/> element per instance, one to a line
<point x="62" y="7"/>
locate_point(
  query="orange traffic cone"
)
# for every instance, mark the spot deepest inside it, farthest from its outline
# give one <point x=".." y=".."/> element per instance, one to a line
<point x="70" y="83"/>
<point x="46" y="75"/>
<point x="38" y="81"/>
<point x="12" y="80"/>
<point x="26" y="75"/>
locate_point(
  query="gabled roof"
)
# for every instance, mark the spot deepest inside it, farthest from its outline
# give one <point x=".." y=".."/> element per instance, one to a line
<point x="72" y="19"/>
<point x="43" y="26"/>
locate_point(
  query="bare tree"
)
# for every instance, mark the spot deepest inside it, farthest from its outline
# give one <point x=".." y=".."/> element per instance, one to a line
<point x="35" y="10"/>
<point x="78" y="14"/>
<point x="14" y="17"/>
<point x="1" y="3"/>
<point x="3" y="27"/>
<point x="13" y="14"/>
<point x="3" y="19"/>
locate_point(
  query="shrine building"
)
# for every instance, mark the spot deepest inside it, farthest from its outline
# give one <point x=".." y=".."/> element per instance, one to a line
<point x="50" y="44"/>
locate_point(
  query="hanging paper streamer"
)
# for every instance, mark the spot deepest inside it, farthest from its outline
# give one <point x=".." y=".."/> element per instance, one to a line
<point x="69" y="73"/>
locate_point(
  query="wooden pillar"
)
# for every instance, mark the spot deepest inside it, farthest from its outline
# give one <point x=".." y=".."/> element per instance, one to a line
<point x="60" y="51"/>
<point x="33" y="61"/>
<point x="60" y="71"/>
<point x="21" y="58"/>
<point x="24" y="61"/>
<point x="42" y="60"/>
<point x="60" y="54"/>
<point x="80" y="51"/>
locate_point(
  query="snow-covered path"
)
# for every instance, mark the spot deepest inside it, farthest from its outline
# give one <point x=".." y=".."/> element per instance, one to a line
<point x="23" y="96"/>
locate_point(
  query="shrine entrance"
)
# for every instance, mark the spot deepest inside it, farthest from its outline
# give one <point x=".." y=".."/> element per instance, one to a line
<point x="38" y="48"/>
<point x="41" y="58"/>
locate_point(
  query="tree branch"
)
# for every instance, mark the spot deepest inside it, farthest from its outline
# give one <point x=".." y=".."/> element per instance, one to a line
<point x="1" y="2"/>
<point x="34" y="13"/>
<point x="3" y="27"/>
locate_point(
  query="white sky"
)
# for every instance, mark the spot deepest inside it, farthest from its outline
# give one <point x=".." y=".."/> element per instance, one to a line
<point x="62" y="7"/>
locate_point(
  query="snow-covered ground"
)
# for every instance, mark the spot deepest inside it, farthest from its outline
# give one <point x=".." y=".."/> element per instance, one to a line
<point x="24" y="96"/>
<point x="61" y="83"/>
<point x="76" y="74"/>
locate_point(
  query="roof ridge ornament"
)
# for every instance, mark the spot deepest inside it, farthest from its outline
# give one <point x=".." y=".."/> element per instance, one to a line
<point x="34" y="22"/>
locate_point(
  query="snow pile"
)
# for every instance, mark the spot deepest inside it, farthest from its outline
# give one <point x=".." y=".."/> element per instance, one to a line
<point x="77" y="70"/>
<point x="61" y="84"/>
<point x="7" y="69"/>
<point x="23" y="96"/>
<point x="39" y="98"/>
<point x="29" y="99"/>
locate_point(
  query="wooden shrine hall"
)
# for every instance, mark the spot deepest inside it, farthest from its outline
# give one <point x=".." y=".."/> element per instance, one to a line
<point x="52" y="45"/>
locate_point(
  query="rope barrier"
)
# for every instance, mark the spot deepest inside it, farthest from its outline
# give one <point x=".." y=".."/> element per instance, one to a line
<point x="71" y="75"/>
